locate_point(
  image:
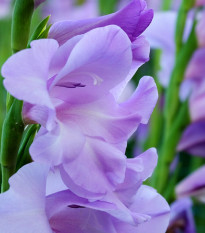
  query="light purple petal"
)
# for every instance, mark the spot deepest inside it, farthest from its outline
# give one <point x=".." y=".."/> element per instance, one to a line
<point x="193" y="185"/>
<point x="62" y="55"/>
<point x="82" y="220"/>
<point x="143" y="101"/>
<point x="102" y="65"/>
<point x="98" y="168"/>
<point x="27" y="71"/>
<point x="56" y="147"/>
<point x="22" y="207"/>
<point x="193" y="139"/>
<point x="138" y="170"/>
<point x="140" y="53"/>
<point x="58" y="201"/>
<point x="109" y="120"/>
<point x="104" y="119"/>
<point x="133" y="19"/>
<point x="148" y="201"/>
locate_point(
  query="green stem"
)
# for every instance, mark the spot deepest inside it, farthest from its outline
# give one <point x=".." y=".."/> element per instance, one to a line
<point x="186" y="5"/>
<point x="168" y="149"/>
<point x="21" y="21"/>
<point x="166" y="5"/>
<point x="175" y="114"/>
<point x="156" y="120"/>
<point x="23" y="153"/>
<point x="13" y="126"/>
<point x="172" y="102"/>
<point x="12" y="132"/>
<point x="197" y="162"/>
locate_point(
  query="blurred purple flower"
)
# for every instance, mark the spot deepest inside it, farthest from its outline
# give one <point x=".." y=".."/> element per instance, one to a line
<point x="69" y="10"/>
<point x="200" y="2"/>
<point x="160" y="35"/>
<point x="5" y="8"/>
<point x="193" y="185"/>
<point x="181" y="218"/>
<point x="73" y="90"/>
<point x="193" y="139"/>
<point x="38" y="201"/>
<point x="156" y="5"/>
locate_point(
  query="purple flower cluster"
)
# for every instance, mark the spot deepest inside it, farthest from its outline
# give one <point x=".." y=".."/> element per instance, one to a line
<point x="71" y="83"/>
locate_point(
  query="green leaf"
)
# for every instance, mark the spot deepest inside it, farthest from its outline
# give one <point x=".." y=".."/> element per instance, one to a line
<point x="23" y="153"/>
<point x="40" y="30"/>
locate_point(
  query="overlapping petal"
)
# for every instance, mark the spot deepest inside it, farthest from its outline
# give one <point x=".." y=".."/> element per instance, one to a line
<point x="27" y="72"/>
<point x="58" y="146"/>
<point x="156" y="208"/>
<point x="62" y="208"/>
<point x="138" y="170"/>
<point x="102" y="65"/>
<point x="22" y="208"/>
<point x="133" y="19"/>
<point x="98" y="168"/>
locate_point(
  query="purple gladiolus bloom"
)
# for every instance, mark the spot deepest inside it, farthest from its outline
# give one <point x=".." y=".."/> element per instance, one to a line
<point x="193" y="185"/>
<point x="72" y="91"/>
<point x="47" y="205"/>
<point x="181" y="217"/>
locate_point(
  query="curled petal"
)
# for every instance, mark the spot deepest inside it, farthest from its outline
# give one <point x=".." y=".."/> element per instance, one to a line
<point x="138" y="170"/>
<point x="102" y="65"/>
<point x="60" y="145"/>
<point x="148" y="202"/>
<point x="143" y="101"/>
<point x="27" y="71"/>
<point x="140" y="54"/>
<point x="23" y="205"/>
<point x="98" y="168"/>
<point x="133" y="19"/>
